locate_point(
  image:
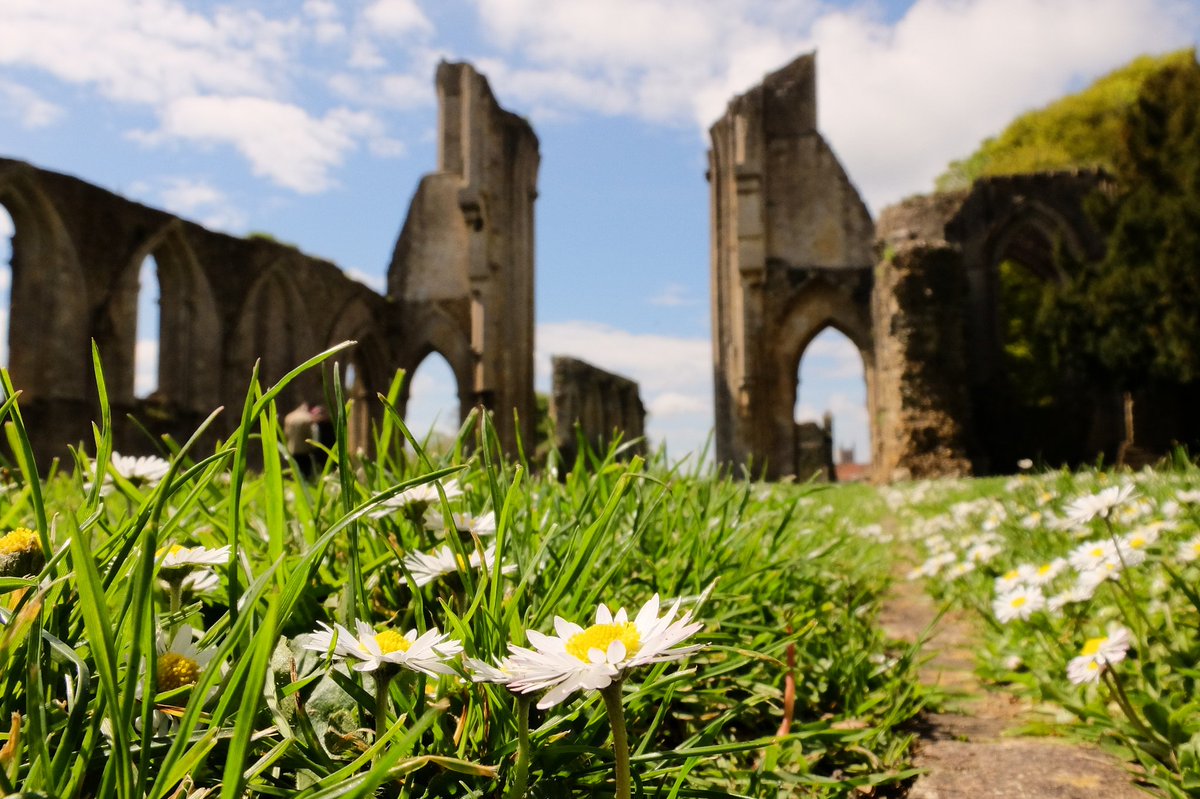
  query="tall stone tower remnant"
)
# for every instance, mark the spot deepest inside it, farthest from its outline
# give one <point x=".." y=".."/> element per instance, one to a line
<point x="792" y="254"/>
<point x="461" y="274"/>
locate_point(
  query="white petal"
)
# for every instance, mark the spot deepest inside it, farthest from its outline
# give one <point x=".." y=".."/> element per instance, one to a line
<point x="648" y="614"/>
<point x="565" y="629"/>
<point x="603" y="614"/>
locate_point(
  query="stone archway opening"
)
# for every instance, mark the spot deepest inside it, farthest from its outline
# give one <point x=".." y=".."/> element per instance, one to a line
<point x="7" y="230"/>
<point x="148" y="329"/>
<point x="1035" y="407"/>
<point x="433" y="410"/>
<point x="833" y="430"/>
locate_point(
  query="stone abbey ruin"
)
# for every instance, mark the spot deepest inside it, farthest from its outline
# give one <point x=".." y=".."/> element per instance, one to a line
<point x="794" y="251"/>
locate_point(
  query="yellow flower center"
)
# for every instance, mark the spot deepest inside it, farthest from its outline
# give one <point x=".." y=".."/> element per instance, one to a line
<point x="1093" y="645"/>
<point x="1012" y="575"/>
<point x="1137" y="542"/>
<point x="390" y="641"/>
<point x="599" y="636"/>
<point x="176" y="671"/>
<point x="1018" y="601"/>
<point x="20" y="541"/>
<point x="1045" y="568"/>
<point x="174" y="549"/>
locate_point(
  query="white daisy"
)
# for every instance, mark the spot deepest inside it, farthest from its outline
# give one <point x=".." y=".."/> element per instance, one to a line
<point x="1099" y="653"/>
<point x="1009" y="580"/>
<point x="179" y="662"/>
<point x="427" y="653"/>
<point x="1189" y="551"/>
<point x="1132" y="546"/>
<point x="1019" y="603"/>
<point x="1044" y="573"/>
<point x="141" y="470"/>
<point x="1083" y="509"/>
<point x="1092" y="554"/>
<point x="417" y="498"/>
<point x="1080" y="592"/>
<point x="177" y="556"/>
<point x="592" y="658"/>
<point x="1189" y="497"/>
<point x="961" y="569"/>
<point x="425" y="568"/>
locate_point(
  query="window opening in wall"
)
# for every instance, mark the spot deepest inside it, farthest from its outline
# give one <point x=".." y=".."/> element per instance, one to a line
<point x="147" y="339"/>
<point x="832" y="385"/>
<point x="7" y="229"/>
<point x="433" y="409"/>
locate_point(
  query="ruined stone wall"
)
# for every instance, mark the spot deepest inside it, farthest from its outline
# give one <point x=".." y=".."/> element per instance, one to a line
<point x="600" y="403"/>
<point x="463" y="268"/>
<point x="944" y="398"/>
<point x="791" y="255"/>
<point x="224" y="302"/>
<point x="922" y="408"/>
<point x="814" y="451"/>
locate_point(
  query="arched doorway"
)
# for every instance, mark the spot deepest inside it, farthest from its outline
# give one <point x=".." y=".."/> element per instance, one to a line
<point x="148" y="331"/>
<point x="1030" y="405"/>
<point x="433" y="409"/>
<point x="7" y="228"/>
<point x="832" y="424"/>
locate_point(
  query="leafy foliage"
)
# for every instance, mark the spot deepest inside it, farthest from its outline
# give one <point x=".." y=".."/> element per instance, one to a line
<point x="1137" y="312"/>
<point x="1082" y="130"/>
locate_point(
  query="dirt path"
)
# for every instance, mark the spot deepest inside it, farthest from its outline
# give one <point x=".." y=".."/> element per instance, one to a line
<point x="971" y="751"/>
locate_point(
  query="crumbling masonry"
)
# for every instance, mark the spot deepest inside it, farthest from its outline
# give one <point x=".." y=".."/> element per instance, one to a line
<point x="794" y="251"/>
<point x="460" y="283"/>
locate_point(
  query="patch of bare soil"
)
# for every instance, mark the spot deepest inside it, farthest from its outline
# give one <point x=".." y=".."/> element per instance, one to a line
<point x="973" y="750"/>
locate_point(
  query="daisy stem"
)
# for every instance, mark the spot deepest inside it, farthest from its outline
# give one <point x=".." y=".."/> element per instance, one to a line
<point x="521" y="770"/>
<point x="616" y="719"/>
<point x="176" y="592"/>
<point x="383" y="680"/>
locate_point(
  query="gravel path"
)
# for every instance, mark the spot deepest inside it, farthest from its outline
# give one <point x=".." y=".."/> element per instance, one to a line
<point x="972" y="751"/>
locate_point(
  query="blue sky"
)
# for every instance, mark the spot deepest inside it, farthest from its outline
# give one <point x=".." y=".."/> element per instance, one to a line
<point x="313" y="120"/>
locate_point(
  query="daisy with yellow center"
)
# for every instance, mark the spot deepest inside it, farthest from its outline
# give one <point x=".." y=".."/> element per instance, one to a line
<point x="428" y="653"/>
<point x="427" y="568"/>
<point x="1189" y="551"/>
<point x="1098" y="654"/>
<point x="179" y="663"/>
<point x="1019" y="603"/>
<point x="591" y="658"/>
<point x="177" y="556"/>
<point x="21" y="553"/>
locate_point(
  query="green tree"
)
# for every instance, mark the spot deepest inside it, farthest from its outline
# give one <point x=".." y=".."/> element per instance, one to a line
<point x="1132" y="319"/>
<point x="1080" y="131"/>
<point x="1144" y="295"/>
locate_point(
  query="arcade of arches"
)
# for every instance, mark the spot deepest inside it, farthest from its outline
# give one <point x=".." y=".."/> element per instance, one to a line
<point x="794" y="252"/>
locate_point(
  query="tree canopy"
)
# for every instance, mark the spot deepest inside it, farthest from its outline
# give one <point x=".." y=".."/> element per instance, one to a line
<point x="1079" y="131"/>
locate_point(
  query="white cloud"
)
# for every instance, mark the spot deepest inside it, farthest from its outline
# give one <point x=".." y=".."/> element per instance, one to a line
<point x="326" y="27"/>
<point x="24" y="105"/>
<point x="395" y="18"/>
<point x="673" y="404"/>
<point x="147" y="51"/>
<point x="674" y="374"/>
<point x="203" y="202"/>
<point x="282" y="141"/>
<point x="145" y="360"/>
<point x="673" y="295"/>
<point x="377" y="282"/>
<point x="897" y="100"/>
